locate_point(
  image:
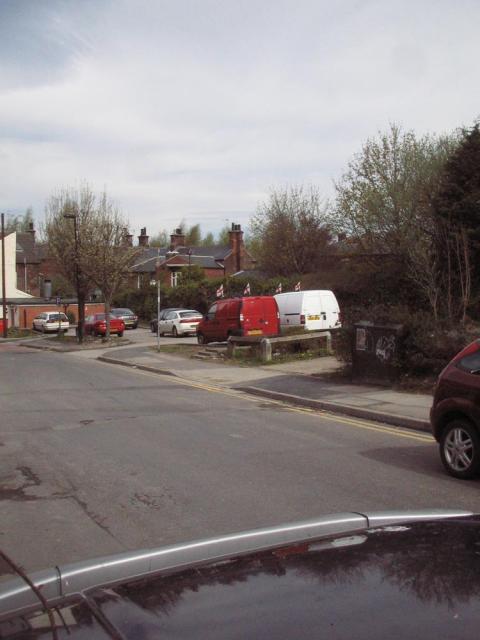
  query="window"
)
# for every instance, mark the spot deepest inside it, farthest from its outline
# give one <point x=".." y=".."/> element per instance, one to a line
<point x="211" y="312"/>
<point x="171" y="315"/>
<point x="470" y="363"/>
<point x="174" y="278"/>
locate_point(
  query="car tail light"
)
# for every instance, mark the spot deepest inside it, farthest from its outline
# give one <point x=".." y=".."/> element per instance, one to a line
<point x="302" y="319"/>
<point x="190" y="320"/>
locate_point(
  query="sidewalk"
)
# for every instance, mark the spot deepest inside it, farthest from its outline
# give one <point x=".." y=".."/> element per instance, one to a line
<point x="294" y="382"/>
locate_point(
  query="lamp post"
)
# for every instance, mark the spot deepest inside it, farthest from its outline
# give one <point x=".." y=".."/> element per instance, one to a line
<point x="4" y="289"/>
<point x="157" y="265"/>
<point x="80" y="300"/>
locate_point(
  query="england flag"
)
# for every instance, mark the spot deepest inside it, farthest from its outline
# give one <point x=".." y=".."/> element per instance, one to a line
<point x="220" y="291"/>
<point x="298" y="286"/>
<point x="279" y="288"/>
<point x="246" y="291"/>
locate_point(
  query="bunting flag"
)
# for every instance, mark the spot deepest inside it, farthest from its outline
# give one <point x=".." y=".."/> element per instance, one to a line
<point x="298" y="286"/>
<point x="246" y="291"/>
<point x="279" y="288"/>
<point x="220" y="291"/>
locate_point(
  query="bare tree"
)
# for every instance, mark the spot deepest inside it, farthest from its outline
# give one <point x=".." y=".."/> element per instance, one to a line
<point x="106" y="257"/>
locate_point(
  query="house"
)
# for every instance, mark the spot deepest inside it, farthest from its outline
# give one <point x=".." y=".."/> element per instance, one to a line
<point x="168" y="262"/>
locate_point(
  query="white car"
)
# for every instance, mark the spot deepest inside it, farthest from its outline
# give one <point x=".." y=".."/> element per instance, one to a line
<point x="180" y="322"/>
<point x="51" y="322"/>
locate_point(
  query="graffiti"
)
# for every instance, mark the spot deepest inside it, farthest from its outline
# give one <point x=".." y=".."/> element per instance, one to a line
<point x="385" y="348"/>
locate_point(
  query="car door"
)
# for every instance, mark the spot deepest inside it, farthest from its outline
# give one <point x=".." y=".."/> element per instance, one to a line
<point x="39" y="321"/>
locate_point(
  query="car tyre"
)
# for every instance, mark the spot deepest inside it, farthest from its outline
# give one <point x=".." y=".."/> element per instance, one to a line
<point x="201" y="338"/>
<point x="175" y="332"/>
<point x="460" y="449"/>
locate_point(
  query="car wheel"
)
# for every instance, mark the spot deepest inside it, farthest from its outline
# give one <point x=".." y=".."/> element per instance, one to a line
<point x="120" y="334"/>
<point x="460" y="449"/>
<point x="175" y="332"/>
<point x="201" y="338"/>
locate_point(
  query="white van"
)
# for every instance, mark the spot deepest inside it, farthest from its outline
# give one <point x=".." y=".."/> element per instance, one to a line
<point x="315" y="310"/>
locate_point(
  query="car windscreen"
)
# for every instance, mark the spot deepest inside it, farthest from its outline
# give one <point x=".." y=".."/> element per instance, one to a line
<point x="58" y="316"/>
<point x="123" y="312"/>
<point x="190" y="314"/>
<point x="470" y="363"/>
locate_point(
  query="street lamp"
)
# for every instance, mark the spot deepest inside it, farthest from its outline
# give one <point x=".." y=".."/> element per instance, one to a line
<point x="4" y="295"/>
<point x="157" y="269"/>
<point x="80" y="303"/>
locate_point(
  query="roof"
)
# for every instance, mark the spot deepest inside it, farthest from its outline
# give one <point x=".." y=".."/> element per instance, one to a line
<point x="206" y="257"/>
<point x="27" y="249"/>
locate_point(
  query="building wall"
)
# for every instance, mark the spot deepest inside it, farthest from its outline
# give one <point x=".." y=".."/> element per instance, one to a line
<point x="22" y="315"/>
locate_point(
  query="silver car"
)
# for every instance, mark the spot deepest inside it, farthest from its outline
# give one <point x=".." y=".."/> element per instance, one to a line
<point x="180" y="322"/>
<point x="51" y="322"/>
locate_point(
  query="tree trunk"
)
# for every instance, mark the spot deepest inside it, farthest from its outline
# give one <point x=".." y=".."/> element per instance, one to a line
<point x="81" y="315"/>
<point x="107" y="319"/>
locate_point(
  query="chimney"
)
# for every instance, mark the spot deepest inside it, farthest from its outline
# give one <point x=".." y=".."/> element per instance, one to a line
<point x="143" y="238"/>
<point x="177" y="239"/>
<point x="236" y="244"/>
<point x="31" y="229"/>
<point x="127" y="238"/>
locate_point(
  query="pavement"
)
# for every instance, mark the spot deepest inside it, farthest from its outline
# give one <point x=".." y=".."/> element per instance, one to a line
<point x="301" y="383"/>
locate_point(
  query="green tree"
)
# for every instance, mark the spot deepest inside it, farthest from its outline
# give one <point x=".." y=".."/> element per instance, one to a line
<point x="19" y="223"/>
<point x="160" y="239"/>
<point x="290" y="231"/>
<point x="193" y="236"/>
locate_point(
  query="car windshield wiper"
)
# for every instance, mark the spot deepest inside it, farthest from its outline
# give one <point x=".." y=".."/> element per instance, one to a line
<point x="21" y="573"/>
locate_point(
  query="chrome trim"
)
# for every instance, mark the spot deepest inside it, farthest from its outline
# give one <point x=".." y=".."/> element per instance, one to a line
<point x="78" y="577"/>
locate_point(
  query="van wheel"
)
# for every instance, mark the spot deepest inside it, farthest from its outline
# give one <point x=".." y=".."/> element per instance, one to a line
<point x="201" y="338"/>
<point x="120" y="334"/>
<point x="460" y="449"/>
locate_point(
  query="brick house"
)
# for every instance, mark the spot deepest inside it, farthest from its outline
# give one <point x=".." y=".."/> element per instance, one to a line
<point x="216" y="261"/>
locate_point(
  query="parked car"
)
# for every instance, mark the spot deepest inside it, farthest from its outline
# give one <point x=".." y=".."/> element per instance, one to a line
<point x="163" y="312"/>
<point x="129" y="318"/>
<point x="96" y="325"/>
<point x="365" y="576"/>
<point x="455" y="413"/>
<point x="180" y="322"/>
<point x="314" y="310"/>
<point x="51" y="322"/>
<point x="249" y="316"/>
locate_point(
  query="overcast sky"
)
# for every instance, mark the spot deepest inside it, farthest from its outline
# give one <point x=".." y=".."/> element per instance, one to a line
<point x="194" y="109"/>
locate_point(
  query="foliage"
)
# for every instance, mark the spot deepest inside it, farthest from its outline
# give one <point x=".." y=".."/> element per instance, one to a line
<point x="160" y="239"/>
<point x="290" y="231"/>
<point x="19" y="223"/>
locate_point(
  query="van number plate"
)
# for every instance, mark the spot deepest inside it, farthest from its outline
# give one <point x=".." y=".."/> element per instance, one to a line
<point x="255" y="332"/>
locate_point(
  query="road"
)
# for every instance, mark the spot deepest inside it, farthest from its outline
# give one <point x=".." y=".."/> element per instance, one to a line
<point x="98" y="459"/>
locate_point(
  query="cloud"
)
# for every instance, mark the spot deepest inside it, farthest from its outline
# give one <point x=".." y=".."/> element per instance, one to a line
<point x="195" y="109"/>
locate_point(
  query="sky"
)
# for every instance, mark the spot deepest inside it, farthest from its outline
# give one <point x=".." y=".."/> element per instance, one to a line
<point x="193" y="110"/>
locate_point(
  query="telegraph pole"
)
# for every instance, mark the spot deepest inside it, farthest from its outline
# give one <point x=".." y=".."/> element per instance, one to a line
<point x="4" y="289"/>
<point x="158" y="299"/>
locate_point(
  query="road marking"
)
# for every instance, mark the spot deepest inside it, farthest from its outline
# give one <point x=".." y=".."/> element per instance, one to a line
<point x="332" y="417"/>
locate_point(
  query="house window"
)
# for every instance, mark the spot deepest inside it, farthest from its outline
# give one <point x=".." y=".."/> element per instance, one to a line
<point x="174" y="278"/>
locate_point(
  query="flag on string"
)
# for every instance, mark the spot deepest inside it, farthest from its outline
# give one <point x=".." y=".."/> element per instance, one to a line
<point x="279" y="288"/>
<point x="246" y="291"/>
<point x="220" y="291"/>
<point x="298" y="286"/>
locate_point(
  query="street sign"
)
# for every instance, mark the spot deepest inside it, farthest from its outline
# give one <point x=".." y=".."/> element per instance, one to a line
<point x="57" y="301"/>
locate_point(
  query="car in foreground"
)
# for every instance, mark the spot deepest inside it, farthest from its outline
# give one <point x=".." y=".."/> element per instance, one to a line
<point x="96" y="325"/>
<point x="455" y="413"/>
<point x="163" y="313"/>
<point x="367" y="576"/>
<point x="127" y="315"/>
<point x="51" y="322"/>
<point x="180" y="322"/>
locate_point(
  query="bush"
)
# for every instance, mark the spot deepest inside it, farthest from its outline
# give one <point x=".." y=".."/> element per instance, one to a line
<point x="425" y="347"/>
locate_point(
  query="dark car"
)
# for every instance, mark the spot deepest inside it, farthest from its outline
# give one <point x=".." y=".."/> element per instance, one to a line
<point x="455" y="413"/>
<point x="129" y="318"/>
<point x="163" y="313"/>
<point x="351" y="575"/>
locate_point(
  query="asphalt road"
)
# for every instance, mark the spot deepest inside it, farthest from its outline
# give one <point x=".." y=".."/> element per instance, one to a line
<point x="96" y="459"/>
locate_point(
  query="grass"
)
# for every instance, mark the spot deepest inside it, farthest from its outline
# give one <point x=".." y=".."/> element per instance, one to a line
<point x="15" y="332"/>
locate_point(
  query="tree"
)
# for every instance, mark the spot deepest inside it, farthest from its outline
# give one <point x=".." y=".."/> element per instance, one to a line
<point x="106" y="257"/>
<point x="19" y="223"/>
<point x="86" y="238"/>
<point x="381" y="196"/>
<point x="193" y="236"/>
<point x="457" y="208"/>
<point x="68" y="216"/>
<point x="208" y="240"/>
<point x="223" y="238"/>
<point x="160" y="239"/>
<point x="290" y="231"/>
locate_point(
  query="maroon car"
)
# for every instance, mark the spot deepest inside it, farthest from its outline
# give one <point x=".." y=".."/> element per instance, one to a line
<point x="455" y="414"/>
<point x="96" y="325"/>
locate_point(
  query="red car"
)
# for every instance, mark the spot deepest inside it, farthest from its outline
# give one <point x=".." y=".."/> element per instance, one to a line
<point x="96" y="325"/>
<point x="455" y="414"/>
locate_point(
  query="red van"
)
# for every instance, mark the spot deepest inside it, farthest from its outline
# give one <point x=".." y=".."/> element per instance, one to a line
<point x="252" y="316"/>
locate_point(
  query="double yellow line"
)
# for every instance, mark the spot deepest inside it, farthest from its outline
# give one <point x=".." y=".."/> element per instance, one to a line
<point x="332" y="417"/>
